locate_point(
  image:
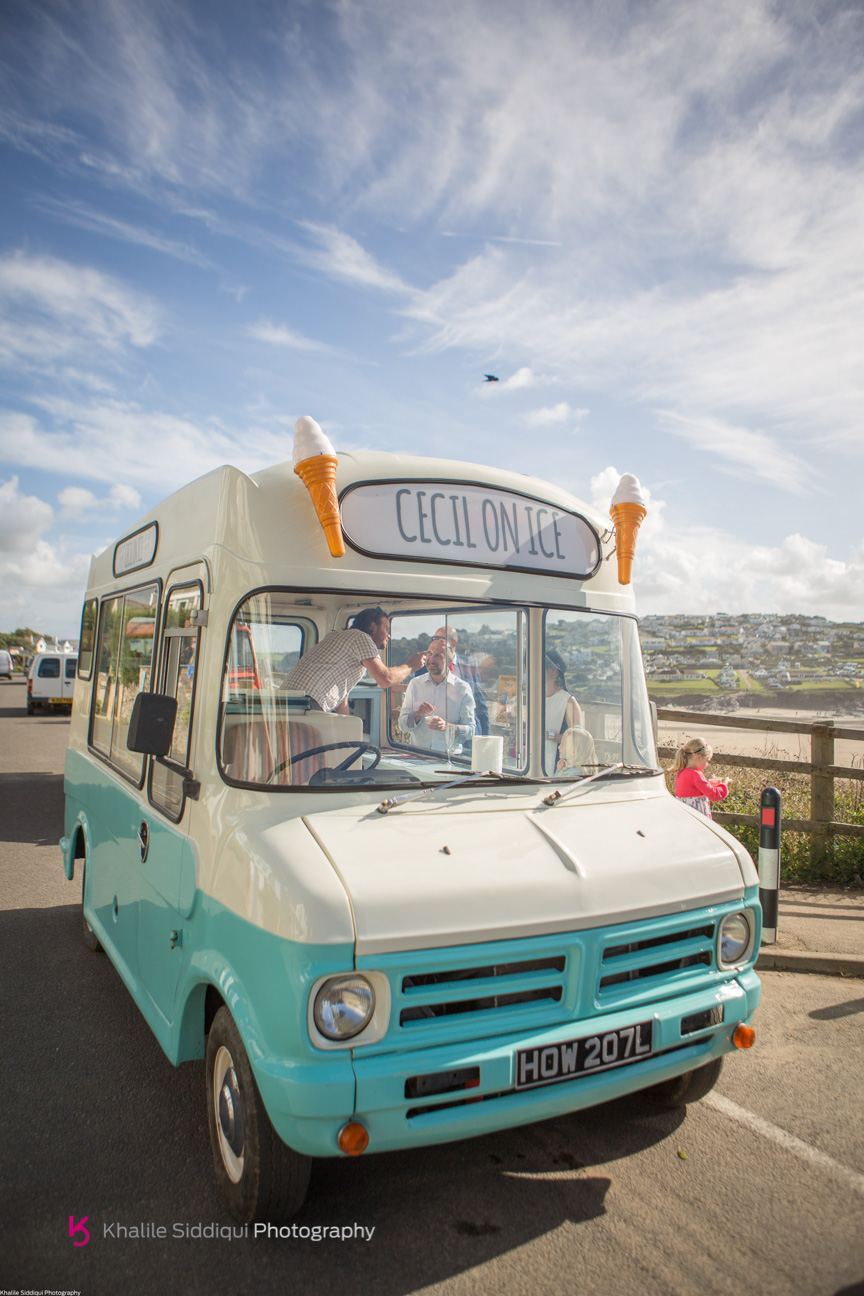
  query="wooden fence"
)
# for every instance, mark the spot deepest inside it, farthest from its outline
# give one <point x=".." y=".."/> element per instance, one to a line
<point x="821" y="768"/>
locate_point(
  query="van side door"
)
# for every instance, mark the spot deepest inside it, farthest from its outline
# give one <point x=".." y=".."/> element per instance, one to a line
<point x="167" y="875"/>
<point x="116" y="794"/>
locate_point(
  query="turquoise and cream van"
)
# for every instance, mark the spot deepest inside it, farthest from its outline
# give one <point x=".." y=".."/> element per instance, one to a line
<point x="376" y="942"/>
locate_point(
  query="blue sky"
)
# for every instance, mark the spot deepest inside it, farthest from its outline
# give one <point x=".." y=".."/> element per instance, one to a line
<point x="644" y="217"/>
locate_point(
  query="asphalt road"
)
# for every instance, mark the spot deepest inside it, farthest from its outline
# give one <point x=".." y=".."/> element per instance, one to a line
<point x="758" y="1189"/>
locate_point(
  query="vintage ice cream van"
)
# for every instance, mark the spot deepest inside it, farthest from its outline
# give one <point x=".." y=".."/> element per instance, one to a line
<point x="412" y="901"/>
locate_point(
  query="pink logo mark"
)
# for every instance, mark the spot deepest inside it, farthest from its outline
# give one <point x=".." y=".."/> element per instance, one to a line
<point x="79" y="1228"/>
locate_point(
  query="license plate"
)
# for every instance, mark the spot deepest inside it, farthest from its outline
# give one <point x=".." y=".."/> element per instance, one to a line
<point x="571" y="1058"/>
<point x="60" y="701"/>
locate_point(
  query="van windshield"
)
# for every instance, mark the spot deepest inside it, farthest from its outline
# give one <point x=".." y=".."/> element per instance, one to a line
<point x="300" y="709"/>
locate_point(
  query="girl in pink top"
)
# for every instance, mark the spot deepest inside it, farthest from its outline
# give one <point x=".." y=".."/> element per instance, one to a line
<point x="691" y="785"/>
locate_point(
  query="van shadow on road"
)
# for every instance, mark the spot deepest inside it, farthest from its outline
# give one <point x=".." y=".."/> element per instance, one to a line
<point x="31" y="808"/>
<point x="100" y="1124"/>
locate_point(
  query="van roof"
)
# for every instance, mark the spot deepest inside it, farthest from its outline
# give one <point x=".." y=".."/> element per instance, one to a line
<point x="267" y="521"/>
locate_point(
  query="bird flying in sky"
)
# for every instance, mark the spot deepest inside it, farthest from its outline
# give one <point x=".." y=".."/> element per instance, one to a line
<point x="490" y="378"/>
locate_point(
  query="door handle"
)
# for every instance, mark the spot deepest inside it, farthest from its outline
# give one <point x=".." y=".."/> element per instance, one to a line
<point x="143" y="839"/>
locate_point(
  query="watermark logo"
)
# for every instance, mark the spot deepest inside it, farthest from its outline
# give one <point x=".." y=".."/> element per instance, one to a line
<point x="79" y="1228"/>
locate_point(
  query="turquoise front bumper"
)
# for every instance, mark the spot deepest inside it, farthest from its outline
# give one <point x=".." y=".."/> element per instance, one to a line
<point x="395" y="1121"/>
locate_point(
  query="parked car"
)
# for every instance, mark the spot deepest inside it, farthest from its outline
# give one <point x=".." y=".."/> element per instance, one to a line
<point x="51" y="681"/>
<point x="5" y="664"/>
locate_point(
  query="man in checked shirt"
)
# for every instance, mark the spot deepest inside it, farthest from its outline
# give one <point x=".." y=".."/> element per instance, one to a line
<point x="329" y="671"/>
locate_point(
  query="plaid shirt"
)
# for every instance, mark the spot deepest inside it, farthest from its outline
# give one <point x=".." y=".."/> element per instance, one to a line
<point x="329" y="671"/>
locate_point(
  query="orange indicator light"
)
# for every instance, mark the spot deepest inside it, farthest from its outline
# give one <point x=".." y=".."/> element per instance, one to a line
<point x="353" y="1138"/>
<point x="744" y="1036"/>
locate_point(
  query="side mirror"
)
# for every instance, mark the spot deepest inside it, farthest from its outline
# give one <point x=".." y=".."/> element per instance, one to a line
<point x="151" y="728"/>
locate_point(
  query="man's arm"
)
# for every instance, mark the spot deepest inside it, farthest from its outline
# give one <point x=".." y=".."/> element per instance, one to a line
<point x="387" y="676"/>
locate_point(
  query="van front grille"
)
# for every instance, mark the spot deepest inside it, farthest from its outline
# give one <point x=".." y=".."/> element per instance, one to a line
<point x="677" y="953"/>
<point x="490" y="988"/>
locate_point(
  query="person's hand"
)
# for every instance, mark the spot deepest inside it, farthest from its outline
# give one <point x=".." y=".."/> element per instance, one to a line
<point x="424" y="709"/>
<point x="416" y="661"/>
<point x="435" y="722"/>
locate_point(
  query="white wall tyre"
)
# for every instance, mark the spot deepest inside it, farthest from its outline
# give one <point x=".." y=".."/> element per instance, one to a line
<point x="259" y="1176"/>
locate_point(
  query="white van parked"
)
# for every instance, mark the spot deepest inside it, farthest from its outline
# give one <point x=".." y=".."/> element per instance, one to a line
<point x="51" y="681"/>
<point x="5" y="664"/>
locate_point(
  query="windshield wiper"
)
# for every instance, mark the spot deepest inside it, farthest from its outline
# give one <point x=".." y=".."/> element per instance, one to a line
<point x="391" y="802"/>
<point x="620" y="770"/>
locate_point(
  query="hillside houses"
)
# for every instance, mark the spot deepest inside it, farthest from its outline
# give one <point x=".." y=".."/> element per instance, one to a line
<point x="780" y="650"/>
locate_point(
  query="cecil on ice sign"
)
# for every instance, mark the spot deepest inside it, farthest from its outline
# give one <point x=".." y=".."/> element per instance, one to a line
<point x="393" y="909"/>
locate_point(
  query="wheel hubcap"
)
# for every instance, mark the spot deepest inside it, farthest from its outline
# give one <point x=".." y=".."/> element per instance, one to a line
<point x="228" y="1104"/>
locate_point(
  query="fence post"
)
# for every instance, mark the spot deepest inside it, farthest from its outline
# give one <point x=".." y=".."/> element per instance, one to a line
<point x="821" y="788"/>
<point x="769" y="862"/>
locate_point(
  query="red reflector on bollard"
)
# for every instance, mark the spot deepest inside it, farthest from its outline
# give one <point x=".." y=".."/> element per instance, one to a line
<point x="768" y="816"/>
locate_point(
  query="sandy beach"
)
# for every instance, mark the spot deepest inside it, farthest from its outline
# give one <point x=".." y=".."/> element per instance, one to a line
<point x="784" y="746"/>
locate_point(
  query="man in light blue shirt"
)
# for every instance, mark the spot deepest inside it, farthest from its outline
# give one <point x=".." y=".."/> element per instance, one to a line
<point x="437" y="702"/>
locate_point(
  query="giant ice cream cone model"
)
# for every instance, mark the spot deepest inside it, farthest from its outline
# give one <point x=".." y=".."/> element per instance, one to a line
<point x="315" y="464"/>
<point x="627" y="511"/>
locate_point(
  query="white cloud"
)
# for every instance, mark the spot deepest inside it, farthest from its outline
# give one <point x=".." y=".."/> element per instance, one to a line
<point x="52" y="310"/>
<point x="342" y="257"/>
<point x="524" y="377"/>
<point x="43" y="588"/>
<point x="688" y="566"/>
<point x="76" y="502"/>
<point x="744" y="451"/>
<point x="123" y="496"/>
<point x="123" y="442"/>
<point x="281" y="335"/>
<point x="23" y="518"/>
<point x="550" y="415"/>
<point x="89" y="218"/>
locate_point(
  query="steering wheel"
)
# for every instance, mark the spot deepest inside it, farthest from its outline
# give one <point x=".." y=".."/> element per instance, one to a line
<point x="359" y="749"/>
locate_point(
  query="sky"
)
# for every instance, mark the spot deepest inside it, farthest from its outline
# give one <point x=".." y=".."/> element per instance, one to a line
<point x="645" y="218"/>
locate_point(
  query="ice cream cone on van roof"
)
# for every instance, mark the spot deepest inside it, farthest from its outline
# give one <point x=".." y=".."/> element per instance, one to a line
<point x="315" y="463"/>
<point x="627" y="511"/>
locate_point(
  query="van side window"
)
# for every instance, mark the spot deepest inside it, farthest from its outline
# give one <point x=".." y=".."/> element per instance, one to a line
<point x="87" y="639"/>
<point x="180" y="643"/>
<point x="49" y="668"/>
<point x="124" y="660"/>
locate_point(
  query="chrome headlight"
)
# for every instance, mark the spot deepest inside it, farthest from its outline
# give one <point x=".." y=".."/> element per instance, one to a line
<point x="343" y="1007"/>
<point x="734" y="939"/>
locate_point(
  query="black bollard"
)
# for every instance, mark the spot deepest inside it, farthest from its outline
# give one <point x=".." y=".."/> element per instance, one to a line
<point x="769" y="862"/>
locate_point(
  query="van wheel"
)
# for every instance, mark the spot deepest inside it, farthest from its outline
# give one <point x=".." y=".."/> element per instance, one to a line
<point x="686" y="1088"/>
<point x="91" y="940"/>
<point x="259" y="1176"/>
<point x="30" y="707"/>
